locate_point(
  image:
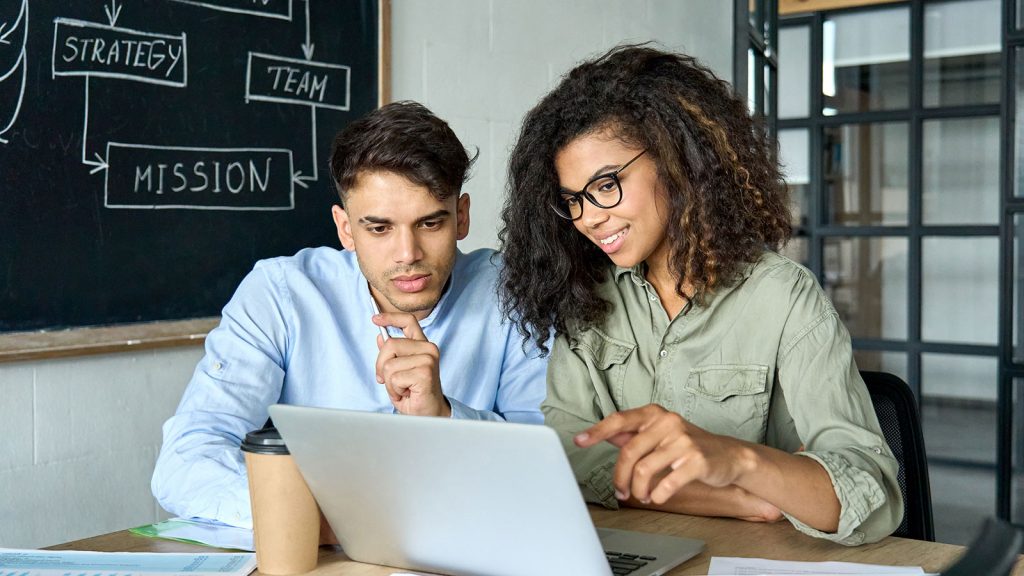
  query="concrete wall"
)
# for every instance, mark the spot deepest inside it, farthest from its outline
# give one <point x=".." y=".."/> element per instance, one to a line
<point x="481" y="65"/>
<point x="80" y="435"/>
<point x="80" y="439"/>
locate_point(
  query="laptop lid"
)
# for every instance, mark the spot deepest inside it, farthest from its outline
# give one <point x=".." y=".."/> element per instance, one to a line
<point x="442" y="495"/>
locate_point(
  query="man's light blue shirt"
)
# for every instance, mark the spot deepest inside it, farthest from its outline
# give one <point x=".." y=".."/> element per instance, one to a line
<point x="298" y="331"/>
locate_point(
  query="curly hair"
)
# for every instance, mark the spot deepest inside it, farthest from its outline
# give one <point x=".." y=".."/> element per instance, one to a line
<point x="727" y="202"/>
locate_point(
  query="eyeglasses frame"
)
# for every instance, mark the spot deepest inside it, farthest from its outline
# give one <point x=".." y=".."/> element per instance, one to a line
<point x="614" y="175"/>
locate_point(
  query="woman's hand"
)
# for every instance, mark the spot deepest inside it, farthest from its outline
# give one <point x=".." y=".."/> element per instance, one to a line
<point x="652" y="439"/>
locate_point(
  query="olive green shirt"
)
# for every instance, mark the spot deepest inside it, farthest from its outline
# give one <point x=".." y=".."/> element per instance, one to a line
<point x="767" y="360"/>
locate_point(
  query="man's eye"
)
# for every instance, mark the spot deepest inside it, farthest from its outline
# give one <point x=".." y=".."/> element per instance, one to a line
<point x="377" y="229"/>
<point x="431" y="224"/>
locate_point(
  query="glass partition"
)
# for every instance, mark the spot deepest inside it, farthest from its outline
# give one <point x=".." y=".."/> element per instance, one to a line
<point x="794" y="154"/>
<point x="866" y="168"/>
<point x="866" y="279"/>
<point x="961" y="53"/>
<point x="878" y="361"/>
<point x="959" y="392"/>
<point x="1017" y="343"/>
<point x="794" y="72"/>
<point x="960" y="289"/>
<point x="866" y="61"/>
<point x="960" y="172"/>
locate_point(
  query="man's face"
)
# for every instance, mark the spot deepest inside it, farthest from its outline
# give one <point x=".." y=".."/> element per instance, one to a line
<point x="404" y="239"/>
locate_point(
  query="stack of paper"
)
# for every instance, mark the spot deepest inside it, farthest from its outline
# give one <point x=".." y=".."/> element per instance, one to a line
<point x="721" y="566"/>
<point x="63" y="562"/>
<point x="197" y="531"/>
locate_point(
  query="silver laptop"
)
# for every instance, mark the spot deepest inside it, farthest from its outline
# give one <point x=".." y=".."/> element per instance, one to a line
<point x="460" y="497"/>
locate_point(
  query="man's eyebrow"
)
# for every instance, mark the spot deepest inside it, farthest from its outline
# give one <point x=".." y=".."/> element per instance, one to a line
<point x="442" y="213"/>
<point x="374" y="220"/>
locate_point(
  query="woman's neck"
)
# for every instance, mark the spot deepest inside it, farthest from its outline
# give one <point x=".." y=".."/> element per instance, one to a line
<point x="663" y="279"/>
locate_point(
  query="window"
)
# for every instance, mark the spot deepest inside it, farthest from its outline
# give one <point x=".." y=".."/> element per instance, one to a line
<point x="890" y="131"/>
<point x="755" y="69"/>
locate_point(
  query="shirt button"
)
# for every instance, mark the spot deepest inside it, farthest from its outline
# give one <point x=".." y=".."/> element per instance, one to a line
<point x="654" y="298"/>
<point x="877" y="450"/>
<point x="663" y="353"/>
<point x="217" y="366"/>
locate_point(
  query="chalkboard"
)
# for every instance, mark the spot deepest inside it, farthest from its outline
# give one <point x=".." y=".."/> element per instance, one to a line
<point x="152" y="150"/>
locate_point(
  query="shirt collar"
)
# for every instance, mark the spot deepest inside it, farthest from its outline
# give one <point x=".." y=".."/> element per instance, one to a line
<point x="638" y="275"/>
<point x="639" y="271"/>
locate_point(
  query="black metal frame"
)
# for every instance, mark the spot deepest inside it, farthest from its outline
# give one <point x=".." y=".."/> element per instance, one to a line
<point x="1013" y="207"/>
<point x="817" y="230"/>
<point x="761" y="36"/>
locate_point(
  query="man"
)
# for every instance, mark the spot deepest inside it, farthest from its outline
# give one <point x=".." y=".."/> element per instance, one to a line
<point x="303" y="329"/>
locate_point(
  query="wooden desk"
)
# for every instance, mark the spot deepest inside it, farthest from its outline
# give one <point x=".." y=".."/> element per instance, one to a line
<point x="723" y="537"/>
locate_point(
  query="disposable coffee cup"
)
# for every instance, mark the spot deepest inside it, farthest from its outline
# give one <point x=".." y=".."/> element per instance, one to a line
<point x="285" y="517"/>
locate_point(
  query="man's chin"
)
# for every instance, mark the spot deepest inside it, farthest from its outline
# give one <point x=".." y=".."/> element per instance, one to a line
<point x="416" y="304"/>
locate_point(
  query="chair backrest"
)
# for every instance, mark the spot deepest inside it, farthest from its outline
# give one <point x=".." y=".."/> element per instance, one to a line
<point x="992" y="553"/>
<point x="900" y="420"/>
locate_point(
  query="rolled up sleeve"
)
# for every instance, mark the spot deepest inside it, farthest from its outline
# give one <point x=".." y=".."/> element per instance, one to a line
<point x="837" y="424"/>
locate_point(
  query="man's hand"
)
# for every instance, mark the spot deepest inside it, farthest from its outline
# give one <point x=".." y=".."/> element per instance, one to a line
<point x="409" y="368"/>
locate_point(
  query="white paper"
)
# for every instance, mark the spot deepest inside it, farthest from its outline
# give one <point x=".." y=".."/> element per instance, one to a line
<point x="212" y="534"/>
<point x="721" y="566"/>
<point x="75" y="563"/>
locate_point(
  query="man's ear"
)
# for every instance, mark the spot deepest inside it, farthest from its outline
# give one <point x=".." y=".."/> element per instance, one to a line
<point x="462" y="217"/>
<point x="344" y="226"/>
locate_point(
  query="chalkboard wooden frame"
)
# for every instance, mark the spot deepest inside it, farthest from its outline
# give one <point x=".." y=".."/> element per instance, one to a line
<point x="60" y="338"/>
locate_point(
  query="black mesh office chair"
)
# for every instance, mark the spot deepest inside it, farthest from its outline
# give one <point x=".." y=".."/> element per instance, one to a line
<point x="900" y="420"/>
<point x="992" y="553"/>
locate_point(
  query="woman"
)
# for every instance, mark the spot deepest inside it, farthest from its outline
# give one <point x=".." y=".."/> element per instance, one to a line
<point x="694" y="369"/>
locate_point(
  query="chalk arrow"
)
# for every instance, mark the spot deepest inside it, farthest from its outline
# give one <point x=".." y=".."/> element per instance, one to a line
<point x="298" y="179"/>
<point x="21" y="14"/>
<point x="307" y="46"/>
<point x="113" y="11"/>
<point x="21" y="95"/>
<point x="97" y="166"/>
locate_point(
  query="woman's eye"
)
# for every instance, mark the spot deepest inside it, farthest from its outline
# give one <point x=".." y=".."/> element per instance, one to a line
<point x="606" y="185"/>
<point x="570" y="200"/>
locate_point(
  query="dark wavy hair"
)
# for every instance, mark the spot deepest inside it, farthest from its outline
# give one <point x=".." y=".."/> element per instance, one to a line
<point x="726" y="198"/>
<point x="405" y="138"/>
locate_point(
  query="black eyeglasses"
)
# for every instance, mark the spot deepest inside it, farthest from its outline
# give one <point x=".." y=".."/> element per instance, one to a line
<point x="603" y="191"/>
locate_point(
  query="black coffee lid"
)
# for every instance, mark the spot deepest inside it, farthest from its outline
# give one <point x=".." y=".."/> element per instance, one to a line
<point x="264" y="441"/>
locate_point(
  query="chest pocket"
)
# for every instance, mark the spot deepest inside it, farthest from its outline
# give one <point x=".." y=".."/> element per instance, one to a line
<point x="605" y="358"/>
<point x="729" y="399"/>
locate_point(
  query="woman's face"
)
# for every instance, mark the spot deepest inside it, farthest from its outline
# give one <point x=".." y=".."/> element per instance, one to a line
<point x="630" y="232"/>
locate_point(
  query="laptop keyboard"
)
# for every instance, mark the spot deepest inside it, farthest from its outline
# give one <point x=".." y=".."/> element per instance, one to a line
<point x="623" y="563"/>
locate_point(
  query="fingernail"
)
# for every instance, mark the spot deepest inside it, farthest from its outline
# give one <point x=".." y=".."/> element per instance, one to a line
<point x="582" y="437"/>
<point x="645" y="501"/>
<point x="620" y="496"/>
